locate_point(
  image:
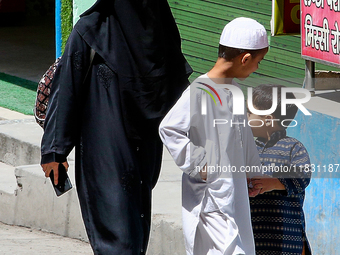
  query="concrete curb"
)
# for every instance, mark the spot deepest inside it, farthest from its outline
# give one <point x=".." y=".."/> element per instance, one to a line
<point x="37" y="206"/>
<point x="20" y="142"/>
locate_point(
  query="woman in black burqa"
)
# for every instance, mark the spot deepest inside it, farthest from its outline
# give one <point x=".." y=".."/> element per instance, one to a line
<point x="112" y="119"/>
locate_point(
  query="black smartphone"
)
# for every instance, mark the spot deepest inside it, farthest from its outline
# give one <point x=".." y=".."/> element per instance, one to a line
<point x="64" y="183"/>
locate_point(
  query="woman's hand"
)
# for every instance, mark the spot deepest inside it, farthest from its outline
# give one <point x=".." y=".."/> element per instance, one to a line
<point x="48" y="167"/>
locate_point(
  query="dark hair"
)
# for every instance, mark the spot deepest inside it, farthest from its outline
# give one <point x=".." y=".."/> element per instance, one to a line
<point x="263" y="100"/>
<point x="229" y="53"/>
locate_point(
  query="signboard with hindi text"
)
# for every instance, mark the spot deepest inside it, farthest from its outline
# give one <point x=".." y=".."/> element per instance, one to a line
<point x="285" y="17"/>
<point x="320" y="33"/>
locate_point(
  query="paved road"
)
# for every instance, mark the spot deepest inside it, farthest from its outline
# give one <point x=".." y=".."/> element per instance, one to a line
<point x="24" y="241"/>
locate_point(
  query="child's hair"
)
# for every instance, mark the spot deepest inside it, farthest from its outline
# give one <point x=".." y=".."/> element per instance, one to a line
<point x="229" y="53"/>
<point x="263" y="100"/>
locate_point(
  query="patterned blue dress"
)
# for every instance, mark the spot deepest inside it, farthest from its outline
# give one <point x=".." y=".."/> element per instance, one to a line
<point x="277" y="216"/>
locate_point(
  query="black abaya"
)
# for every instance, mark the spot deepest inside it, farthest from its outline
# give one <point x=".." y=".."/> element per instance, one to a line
<point x="112" y="120"/>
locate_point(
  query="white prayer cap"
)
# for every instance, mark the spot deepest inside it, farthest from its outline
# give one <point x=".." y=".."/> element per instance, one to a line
<point x="244" y="33"/>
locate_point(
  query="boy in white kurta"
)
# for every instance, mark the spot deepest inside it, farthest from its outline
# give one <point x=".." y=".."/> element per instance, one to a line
<point x="213" y="147"/>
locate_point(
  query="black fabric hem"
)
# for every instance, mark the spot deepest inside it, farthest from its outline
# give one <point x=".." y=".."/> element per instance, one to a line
<point x="52" y="157"/>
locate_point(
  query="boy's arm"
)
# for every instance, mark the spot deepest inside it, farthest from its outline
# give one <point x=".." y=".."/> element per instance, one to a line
<point x="294" y="182"/>
<point x="267" y="184"/>
<point x="252" y="154"/>
<point x="300" y="173"/>
<point x="252" y="159"/>
<point x="174" y="130"/>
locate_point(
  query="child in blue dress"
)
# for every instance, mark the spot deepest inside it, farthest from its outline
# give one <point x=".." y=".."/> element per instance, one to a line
<point x="276" y="213"/>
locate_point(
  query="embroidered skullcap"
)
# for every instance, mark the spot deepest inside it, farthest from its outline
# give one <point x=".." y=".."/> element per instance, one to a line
<point x="244" y="33"/>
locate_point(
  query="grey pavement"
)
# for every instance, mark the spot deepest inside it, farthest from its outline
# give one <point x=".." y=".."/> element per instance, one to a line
<point x="16" y="240"/>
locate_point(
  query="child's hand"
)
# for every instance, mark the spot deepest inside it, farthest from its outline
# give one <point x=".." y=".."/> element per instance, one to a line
<point x="252" y="192"/>
<point x="266" y="184"/>
<point x="203" y="173"/>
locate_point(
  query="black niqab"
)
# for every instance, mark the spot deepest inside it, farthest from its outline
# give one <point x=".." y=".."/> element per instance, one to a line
<point x="140" y="42"/>
<point x="133" y="36"/>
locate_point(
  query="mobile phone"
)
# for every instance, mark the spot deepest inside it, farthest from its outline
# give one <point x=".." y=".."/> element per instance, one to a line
<point x="64" y="183"/>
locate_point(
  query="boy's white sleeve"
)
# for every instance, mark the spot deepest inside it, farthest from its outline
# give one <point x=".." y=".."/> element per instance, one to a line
<point x="252" y="155"/>
<point x="174" y="130"/>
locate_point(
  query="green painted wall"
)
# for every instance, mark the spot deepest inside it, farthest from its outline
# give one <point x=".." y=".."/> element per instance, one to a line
<point x="201" y="22"/>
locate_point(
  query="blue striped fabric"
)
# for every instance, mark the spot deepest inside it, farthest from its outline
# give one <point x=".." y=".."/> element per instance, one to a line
<point x="277" y="216"/>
